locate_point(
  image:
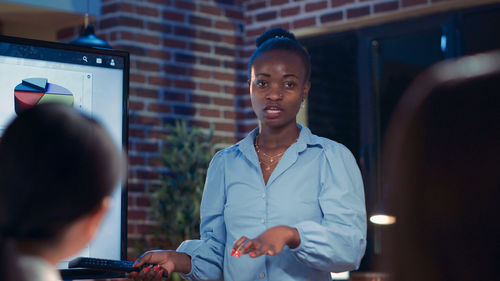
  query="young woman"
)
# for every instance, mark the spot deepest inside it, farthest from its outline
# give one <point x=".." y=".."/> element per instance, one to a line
<point x="57" y="171"/>
<point x="281" y="204"/>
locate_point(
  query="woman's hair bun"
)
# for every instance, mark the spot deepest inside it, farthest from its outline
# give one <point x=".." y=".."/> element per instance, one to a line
<point x="272" y="33"/>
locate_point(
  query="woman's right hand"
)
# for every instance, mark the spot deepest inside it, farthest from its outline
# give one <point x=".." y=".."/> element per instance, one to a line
<point x="162" y="260"/>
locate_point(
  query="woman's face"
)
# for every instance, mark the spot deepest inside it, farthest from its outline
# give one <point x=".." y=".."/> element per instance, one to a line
<point x="277" y="87"/>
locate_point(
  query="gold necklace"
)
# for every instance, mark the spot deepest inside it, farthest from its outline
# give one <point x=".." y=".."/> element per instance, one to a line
<point x="271" y="163"/>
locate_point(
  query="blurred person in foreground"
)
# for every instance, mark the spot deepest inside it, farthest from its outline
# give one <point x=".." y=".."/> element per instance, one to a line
<point x="58" y="169"/>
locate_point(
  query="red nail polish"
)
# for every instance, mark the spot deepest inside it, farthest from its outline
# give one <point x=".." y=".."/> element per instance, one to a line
<point x="157" y="267"/>
<point x="147" y="269"/>
<point x="252" y="254"/>
<point x="233" y="251"/>
<point x="161" y="272"/>
<point x="237" y="254"/>
<point x="135" y="264"/>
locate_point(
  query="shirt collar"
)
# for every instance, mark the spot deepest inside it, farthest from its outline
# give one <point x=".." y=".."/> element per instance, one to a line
<point x="306" y="138"/>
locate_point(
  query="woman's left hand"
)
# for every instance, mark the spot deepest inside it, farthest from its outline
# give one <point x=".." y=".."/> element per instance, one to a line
<point x="270" y="242"/>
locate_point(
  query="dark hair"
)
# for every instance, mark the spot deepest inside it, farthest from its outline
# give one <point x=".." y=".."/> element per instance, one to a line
<point x="56" y="165"/>
<point x="279" y="39"/>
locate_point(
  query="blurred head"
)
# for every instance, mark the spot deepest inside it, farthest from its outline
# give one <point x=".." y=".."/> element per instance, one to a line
<point x="56" y="166"/>
<point x="441" y="163"/>
<point x="279" y="72"/>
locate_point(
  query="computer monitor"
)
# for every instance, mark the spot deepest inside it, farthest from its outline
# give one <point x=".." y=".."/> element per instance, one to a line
<point x="91" y="80"/>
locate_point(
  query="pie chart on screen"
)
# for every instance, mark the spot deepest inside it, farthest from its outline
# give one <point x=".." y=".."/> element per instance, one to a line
<point x="33" y="91"/>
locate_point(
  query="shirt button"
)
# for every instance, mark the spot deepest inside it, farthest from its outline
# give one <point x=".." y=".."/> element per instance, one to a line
<point x="262" y="275"/>
<point x="263" y="221"/>
<point x="263" y="195"/>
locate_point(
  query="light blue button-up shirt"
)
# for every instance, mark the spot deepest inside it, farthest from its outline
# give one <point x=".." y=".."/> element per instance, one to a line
<point x="316" y="187"/>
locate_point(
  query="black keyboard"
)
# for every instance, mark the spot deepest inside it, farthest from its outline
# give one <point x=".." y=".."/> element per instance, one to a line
<point x="107" y="265"/>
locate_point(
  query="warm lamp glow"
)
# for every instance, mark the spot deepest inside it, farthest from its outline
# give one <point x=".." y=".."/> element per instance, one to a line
<point x="382" y="219"/>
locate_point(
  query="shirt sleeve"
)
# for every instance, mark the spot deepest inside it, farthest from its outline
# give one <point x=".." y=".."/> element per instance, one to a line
<point x="338" y="243"/>
<point x="207" y="254"/>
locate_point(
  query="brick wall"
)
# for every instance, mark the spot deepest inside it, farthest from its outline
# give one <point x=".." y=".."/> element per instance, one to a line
<point x="188" y="61"/>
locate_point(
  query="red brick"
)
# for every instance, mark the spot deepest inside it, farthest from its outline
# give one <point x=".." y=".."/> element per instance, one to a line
<point x="225" y="51"/>
<point x="197" y="20"/>
<point x="194" y="98"/>
<point x="316" y="6"/>
<point x="210" y="87"/>
<point x="148" y="175"/>
<point x="185" y="5"/>
<point x="117" y="7"/>
<point x="407" y="3"/>
<point x="255" y="32"/>
<point x="184" y="31"/>
<point x="173" y="96"/>
<point x="278" y="2"/>
<point x="160" y="108"/>
<point x="201" y="124"/>
<point x="185" y="84"/>
<point x="246" y="128"/>
<point x="210" y="10"/>
<point x="232" y="40"/>
<point x="136" y="133"/>
<point x="147" y="147"/>
<point x="140" y="187"/>
<point x="159" y="54"/>
<point x="266" y="16"/>
<point x="142" y="38"/>
<point x="230" y="114"/>
<point x="184" y="110"/>
<point x="153" y="134"/>
<point x="248" y="20"/>
<point x="331" y="17"/>
<point x="304" y="22"/>
<point x="385" y="7"/>
<point x="210" y="36"/>
<point x="144" y="120"/>
<point x="225" y="127"/>
<point x="238" y="15"/>
<point x="337" y="3"/>
<point x="138" y="78"/>
<point x="289" y="12"/>
<point x="209" y="112"/>
<point x="174" y="43"/>
<point x="130" y="22"/>
<point x="183" y="57"/>
<point x="358" y="12"/>
<point x="236" y="90"/>
<point x="235" y="65"/>
<point x="152" y="12"/>
<point x="125" y="35"/>
<point x="283" y="25"/>
<point x="136" y="215"/>
<point x="222" y="101"/>
<point x="136" y="105"/>
<point x="161" y="27"/>
<point x="256" y="6"/>
<point x="199" y="47"/>
<point x="147" y="93"/>
<point x="225" y="25"/>
<point x="159" y="81"/>
<point x="225" y="76"/>
<point x="210" y="61"/>
<point x="173" y="16"/>
<point x="199" y="73"/>
<point x="148" y="66"/>
<point x="175" y="69"/>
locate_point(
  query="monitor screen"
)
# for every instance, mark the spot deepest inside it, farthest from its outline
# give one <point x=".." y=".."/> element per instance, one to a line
<point x="94" y="81"/>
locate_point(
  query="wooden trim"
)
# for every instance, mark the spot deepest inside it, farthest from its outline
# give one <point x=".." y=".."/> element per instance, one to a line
<point x="396" y="15"/>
